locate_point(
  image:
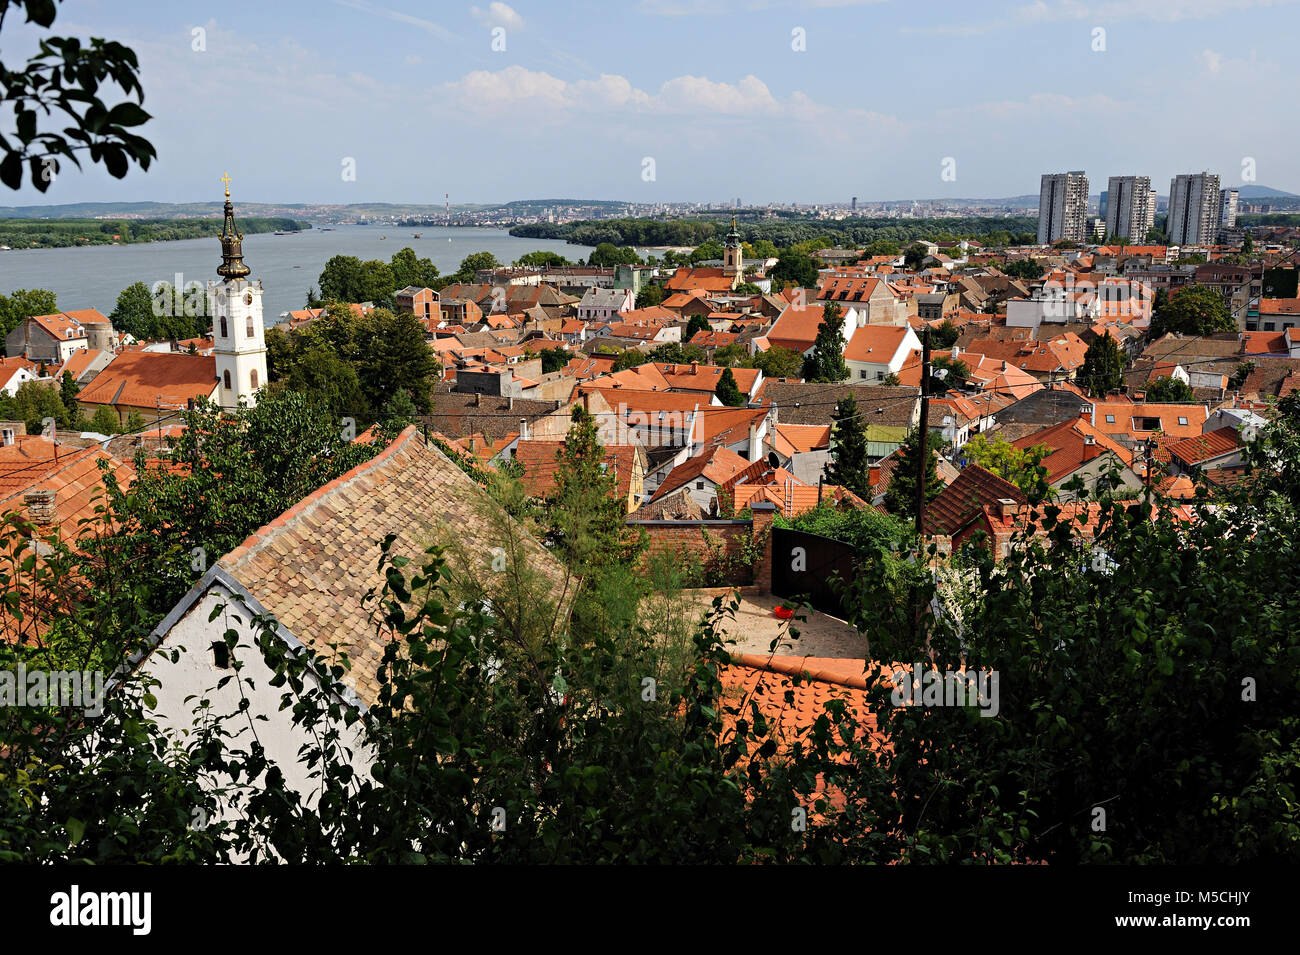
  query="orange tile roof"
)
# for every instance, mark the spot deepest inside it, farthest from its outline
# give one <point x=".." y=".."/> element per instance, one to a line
<point x="1069" y="448"/>
<point x="1130" y="418"/>
<point x="1279" y="306"/>
<point x="796" y="328"/>
<point x="717" y="465"/>
<point x="143" y="379"/>
<point x="1205" y="447"/>
<point x="538" y="459"/>
<point x="73" y="476"/>
<point x="875" y="343"/>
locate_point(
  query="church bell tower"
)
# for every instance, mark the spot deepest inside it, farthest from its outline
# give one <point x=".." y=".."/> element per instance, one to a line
<point x="235" y="305"/>
<point x="733" y="261"/>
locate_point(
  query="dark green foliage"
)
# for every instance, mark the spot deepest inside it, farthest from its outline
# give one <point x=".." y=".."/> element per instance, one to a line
<point x="728" y="391"/>
<point x="1195" y="310"/>
<point x="900" y="496"/>
<point x="58" y="110"/>
<point x="607" y="254"/>
<point x="1103" y="367"/>
<point x="1027" y="269"/>
<point x="354" y="365"/>
<point x="849" y="466"/>
<point x="944" y="335"/>
<point x="826" y="362"/>
<point x="795" y="269"/>
<point x="1169" y="388"/>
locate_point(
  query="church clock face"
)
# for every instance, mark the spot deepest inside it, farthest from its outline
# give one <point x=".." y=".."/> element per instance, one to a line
<point x="248" y="298"/>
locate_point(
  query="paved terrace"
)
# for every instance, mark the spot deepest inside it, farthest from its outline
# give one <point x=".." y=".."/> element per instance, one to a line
<point x="755" y="626"/>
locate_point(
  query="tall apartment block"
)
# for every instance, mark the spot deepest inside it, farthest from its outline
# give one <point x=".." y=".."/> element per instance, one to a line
<point x="1063" y="207"/>
<point x="1130" y="207"/>
<point x="1194" y="209"/>
<point x="1228" y="209"/>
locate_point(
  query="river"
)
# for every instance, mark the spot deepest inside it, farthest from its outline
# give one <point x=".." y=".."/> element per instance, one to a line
<point x="92" y="276"/>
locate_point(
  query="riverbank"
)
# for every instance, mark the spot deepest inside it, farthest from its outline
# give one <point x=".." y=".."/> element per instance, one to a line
<point x="76" y="233"/>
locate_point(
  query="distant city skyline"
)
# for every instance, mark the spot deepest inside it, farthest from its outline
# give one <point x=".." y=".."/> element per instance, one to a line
<point x="812" y="102"/>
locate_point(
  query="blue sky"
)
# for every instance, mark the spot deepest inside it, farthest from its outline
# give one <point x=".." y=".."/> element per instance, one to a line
<point x="285" y="91"/>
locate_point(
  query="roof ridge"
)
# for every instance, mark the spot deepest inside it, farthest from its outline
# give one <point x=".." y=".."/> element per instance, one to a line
<point x="254" y="541"/>
<point x="796" y="666"/>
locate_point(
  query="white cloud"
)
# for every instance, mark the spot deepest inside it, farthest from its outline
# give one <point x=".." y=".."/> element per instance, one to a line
<point x="531" y="93"/>
<point x="498" y="15"/>
<point x="1213" y="61"/>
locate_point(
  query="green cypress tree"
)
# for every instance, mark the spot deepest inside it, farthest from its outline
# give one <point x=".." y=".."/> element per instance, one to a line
<point x="1103" y="367"/>
<point x="728" y="391"/>
<point x="849" y="467"/>
<point x="900" y="497"/>
<point x="826" y="363"/>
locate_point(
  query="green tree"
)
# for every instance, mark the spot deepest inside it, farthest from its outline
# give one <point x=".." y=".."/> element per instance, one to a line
<point x="1028" y="269"/>
<point x="649" y="296"/>
<point x="957" y="373"/>
<point x="747" y="288"/>
<point x="778" y="362"/>
<point x="913" y="257"/>
<point x="795" y="269"/>
<point x="1247" y="244"/>
<point x="1103" y="367"/>
<point x="900" y="496"/>
<point x="607" y="254"/>
<point x="944" y="335"/>
<point x="281" y="450"/>
<point x="584" y="514"/>
<point x="475" y="262"/>
<point x="105" y="421"/>
<point x="826" y="362"/>
<point x="408" y="269"/>
<point x="60" y="87"/>
<point x="68" y="390"/>
<point x="1023" y="467"/>
<point x="1195" y="310"/>
<point x="553" y="359"/>
<point x="732" y="356"/>
<point x="34" y="402"/>
<point x="698" y="323"/>
<point x="542" y="259"/>
<point x="1169" y="388"/>
<point x="728" y="391"/>
<point x="849" y="466"/>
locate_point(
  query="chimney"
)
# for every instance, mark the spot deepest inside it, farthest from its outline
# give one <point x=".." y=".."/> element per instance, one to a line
<point x="478" y="399"/>
<point x="510" y="403"/>
<point x="695" y="367"/>
<point x="40" y="506"/>
<point x="755" y="449"/>
<point x="955" y="352"/>
<point x="586" y="401"/>
<point x="1005" y="508"/>
<point x="523" y="430"/>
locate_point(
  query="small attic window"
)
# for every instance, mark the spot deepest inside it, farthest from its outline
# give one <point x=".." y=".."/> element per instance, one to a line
<point x="220" y="655"/>
<point x="1181" y="420"/>
<point x="1110" y="419"/>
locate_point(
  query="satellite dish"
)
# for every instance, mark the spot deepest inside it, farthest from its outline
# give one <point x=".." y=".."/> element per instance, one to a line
<point x="773" y="460"/>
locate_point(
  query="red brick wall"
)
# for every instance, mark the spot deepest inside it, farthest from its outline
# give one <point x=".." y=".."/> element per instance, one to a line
<point x="687" y="537"/>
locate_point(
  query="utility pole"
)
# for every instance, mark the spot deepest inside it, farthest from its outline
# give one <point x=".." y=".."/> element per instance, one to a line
<point x="923" y="442"/>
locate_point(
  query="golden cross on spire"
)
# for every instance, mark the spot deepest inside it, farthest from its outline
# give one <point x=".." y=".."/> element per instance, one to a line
<point x="226" y="180"/>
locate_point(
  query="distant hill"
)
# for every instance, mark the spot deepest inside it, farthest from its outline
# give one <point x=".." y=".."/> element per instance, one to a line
<point x="1263" y="192"/>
